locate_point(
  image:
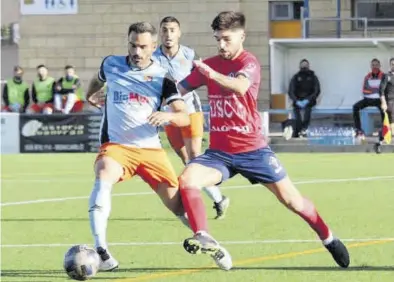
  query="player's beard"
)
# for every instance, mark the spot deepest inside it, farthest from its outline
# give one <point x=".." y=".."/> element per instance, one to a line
<point x="136" y="60"/>
<point x="227" y="55"/>
<point x="170" y="45"/>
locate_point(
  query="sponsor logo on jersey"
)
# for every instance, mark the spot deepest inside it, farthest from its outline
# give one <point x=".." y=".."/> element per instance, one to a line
<point x="120" y="98"/>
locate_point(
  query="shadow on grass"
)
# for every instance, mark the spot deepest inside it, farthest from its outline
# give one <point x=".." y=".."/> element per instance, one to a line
<point x="33" y="273"/>
<point x="114" y="275"/>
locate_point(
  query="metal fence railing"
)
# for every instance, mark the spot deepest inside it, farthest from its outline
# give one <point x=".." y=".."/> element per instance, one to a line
<point x="346" y="27"/>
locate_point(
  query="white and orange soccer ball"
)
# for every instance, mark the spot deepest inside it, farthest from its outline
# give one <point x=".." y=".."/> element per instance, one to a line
<point x="81" y="262"/>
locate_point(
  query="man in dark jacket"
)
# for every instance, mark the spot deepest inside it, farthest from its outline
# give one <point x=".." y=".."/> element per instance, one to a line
<point x="303" y="91"/>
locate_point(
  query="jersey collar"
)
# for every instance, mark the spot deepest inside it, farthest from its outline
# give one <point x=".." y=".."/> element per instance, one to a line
<point x="135" y="68"/>
<point x="169" y="58"/>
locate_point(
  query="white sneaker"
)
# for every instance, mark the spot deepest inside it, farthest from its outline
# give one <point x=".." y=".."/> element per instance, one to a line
<point x="288" y="132"/>
<point x="107" y="261"/>
<point x="203" y="243"/>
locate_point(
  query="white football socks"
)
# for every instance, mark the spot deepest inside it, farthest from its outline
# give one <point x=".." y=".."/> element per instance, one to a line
<point x="99" y="210"/>
<point x="214" y="193"/>
<point x="328" y="240"/>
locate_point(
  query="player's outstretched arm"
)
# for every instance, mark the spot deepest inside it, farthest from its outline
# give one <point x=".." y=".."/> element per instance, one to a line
<point x="193" y="81"/>
<point x="182" y="90"/>
<point x="239" y="84"/>
<point x="178" y="116"/>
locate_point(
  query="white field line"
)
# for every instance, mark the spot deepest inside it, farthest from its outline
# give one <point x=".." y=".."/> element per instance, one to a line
<point x="63" y="173"/>
<point x="312" y="181"/>
<point x="251" y="242"/>
<point x="71" y="172"/>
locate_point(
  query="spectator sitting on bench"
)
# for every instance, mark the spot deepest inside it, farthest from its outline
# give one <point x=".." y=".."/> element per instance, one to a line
<point x="372" y="92"/>
<point x="303" y="91"/>
<point x="68" y="92"/>
<point x="42" y="92"/>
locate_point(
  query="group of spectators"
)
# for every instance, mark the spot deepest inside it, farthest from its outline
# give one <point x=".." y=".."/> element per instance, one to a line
<point x="46" y="95"/>
<point x="65" y="95"/>
<point x="378" y="91"/>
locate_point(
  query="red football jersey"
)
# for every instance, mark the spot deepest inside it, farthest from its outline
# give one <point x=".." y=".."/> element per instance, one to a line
<point x="235" y="123"/>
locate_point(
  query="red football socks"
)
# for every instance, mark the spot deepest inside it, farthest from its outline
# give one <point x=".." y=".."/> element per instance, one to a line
<point x="195" y="209"/>
<point x="310" y="215"/>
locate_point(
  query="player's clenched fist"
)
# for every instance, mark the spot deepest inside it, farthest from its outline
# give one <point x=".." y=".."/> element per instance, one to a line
<point x="159" y="118"/>
<point x="204" y="69"/>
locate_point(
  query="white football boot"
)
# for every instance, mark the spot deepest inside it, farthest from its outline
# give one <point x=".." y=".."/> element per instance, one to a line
<point x="107" y="261"/>
<point x="203" y="243"/>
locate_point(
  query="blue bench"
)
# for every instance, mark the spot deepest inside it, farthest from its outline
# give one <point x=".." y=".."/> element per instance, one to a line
<point x="366" y="120"/>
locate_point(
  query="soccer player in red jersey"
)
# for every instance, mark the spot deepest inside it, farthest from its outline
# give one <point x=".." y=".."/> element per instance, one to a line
<point x="237" y="145"/>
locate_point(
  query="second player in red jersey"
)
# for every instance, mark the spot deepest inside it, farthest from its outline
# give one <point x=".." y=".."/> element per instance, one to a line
<point x="235" y="123"/>
<point x="237" y="144"/>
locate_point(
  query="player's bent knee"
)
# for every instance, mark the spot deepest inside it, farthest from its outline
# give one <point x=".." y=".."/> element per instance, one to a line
<point x="188" y="180"/>
<point x="108" y="169"/>
<point x="196" y="176"/>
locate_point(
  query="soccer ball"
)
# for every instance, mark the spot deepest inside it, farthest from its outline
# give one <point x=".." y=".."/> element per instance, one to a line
<point x="81" y="262"/>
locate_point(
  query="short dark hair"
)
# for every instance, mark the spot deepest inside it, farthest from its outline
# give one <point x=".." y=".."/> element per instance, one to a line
<point x="67" y="67"/>
<point x="170" y="19"/>
<point x="142" y="27"/>
<point x="229" y="20"/>
<point x="375" y="60"/>
<point x="18" y="68"/>
<point x="41" y="66"/>
<point x="391" y="60"/>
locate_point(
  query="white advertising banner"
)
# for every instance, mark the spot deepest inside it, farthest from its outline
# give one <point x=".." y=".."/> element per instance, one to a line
<point x="49" y="7"/>
<point x="9" y="133"/>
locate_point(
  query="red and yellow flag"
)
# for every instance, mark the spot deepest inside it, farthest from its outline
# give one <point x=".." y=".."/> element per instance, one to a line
<point x="386" y="132"/>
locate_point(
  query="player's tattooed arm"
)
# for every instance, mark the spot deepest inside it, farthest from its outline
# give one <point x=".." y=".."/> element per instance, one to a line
<point x="95" y="85"/>
<point x="239" y="84"/>
<point x="95" y="91"/>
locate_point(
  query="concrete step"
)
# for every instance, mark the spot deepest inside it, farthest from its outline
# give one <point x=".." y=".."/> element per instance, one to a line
<point x="294" y="145"/>
<point x="294" y="148"/>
